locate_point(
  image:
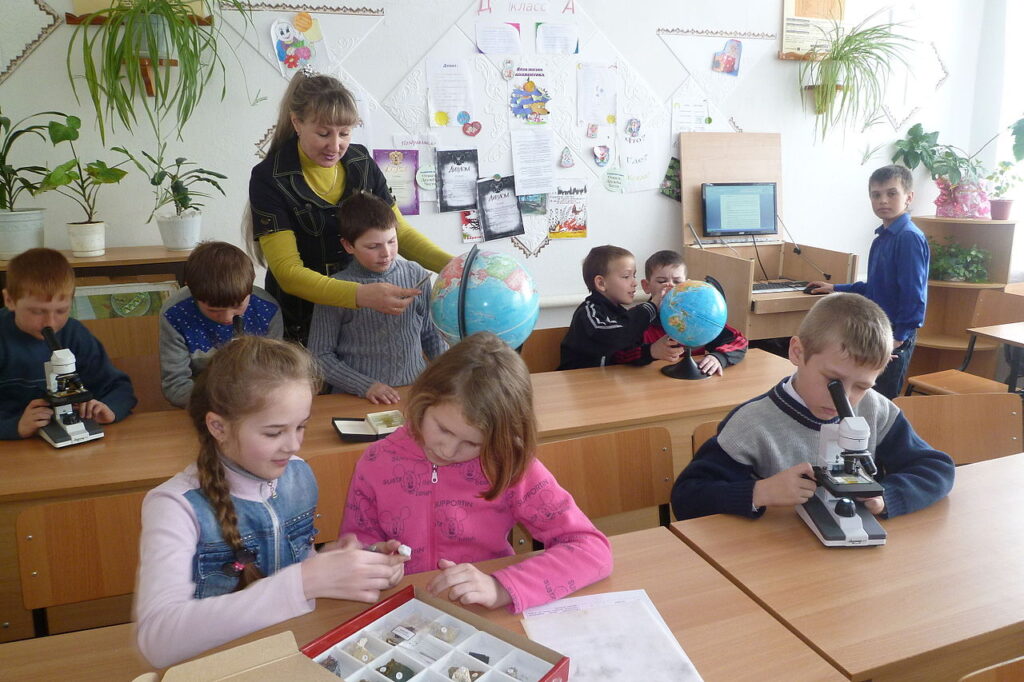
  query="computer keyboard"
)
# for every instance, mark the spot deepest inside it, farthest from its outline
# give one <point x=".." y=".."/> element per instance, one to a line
<point x="771" y="287"/>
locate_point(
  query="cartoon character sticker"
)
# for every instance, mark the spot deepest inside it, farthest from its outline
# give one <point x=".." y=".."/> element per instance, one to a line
<point x="528" y="102"/>
<point x="728" y="60"/>
<point x="295" y="42"/>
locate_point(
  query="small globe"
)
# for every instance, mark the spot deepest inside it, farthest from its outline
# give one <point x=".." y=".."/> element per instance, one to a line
<point x="693" y="313"/>
<point x="500" y="298"/>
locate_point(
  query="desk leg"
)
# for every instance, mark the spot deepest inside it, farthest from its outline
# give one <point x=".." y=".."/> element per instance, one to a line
<point x="1015" y="358"/>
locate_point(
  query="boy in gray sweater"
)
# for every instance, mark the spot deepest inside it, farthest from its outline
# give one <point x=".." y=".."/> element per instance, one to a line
<point x="362" y="351"/>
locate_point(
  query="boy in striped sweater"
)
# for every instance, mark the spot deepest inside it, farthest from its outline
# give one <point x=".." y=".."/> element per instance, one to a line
<point x="362" y="351"/>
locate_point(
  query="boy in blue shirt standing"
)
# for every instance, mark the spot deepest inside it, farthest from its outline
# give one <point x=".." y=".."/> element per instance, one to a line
<point x="38" y="292"/>
<point x="897" y="271"/>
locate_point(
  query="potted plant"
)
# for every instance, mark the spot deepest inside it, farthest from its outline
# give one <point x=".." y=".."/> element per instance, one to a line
<point x="1003" y="179"/>
<point x="172" y="186"/>
<point x="957" y="174"/>
<point x="113" y="42"/>
<point x="955" y="263"/>
<point x="81" y="185"/>
<point x="848" y="74"/>
<point x="22" y="229"/>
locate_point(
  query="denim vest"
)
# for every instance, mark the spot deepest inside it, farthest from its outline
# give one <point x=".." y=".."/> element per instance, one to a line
<point x="278" y="531"/>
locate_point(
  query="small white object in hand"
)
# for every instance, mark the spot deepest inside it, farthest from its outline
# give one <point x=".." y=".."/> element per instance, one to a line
<point x="405" y="550"/>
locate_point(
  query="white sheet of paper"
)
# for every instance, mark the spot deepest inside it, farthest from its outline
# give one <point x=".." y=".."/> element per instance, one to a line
<point x="498" y="38"/>
<point x="533" y="160"/>
<point x="611" y="636"/>
<point x="449" y="90"/>
<point x="555" y="38"/>
<point x="595" y="94"/>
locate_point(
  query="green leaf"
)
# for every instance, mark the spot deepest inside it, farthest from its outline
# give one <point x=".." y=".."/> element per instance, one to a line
<point x="100" y="173"/>
<point x="63" y="174"/>
<point x="60" y="132"/>
<point x="1017" y="130"/>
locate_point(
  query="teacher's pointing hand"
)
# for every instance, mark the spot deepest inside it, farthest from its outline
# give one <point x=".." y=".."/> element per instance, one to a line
<point x="385" y="298"/>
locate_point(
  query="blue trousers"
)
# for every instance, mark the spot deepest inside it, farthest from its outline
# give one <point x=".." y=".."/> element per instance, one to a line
<point x="890" y="382"/>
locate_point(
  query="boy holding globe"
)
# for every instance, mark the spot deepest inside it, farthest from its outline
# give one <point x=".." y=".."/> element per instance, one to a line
<point x="602" y="325"/>
<point x="363" y="351"/>
<point x="762" y="454"/>
<point x="662" y="271"/>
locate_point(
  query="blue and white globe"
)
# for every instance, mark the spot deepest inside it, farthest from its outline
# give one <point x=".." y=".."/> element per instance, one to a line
<point x="693" y="313"/>
<point x="500" y="298"/>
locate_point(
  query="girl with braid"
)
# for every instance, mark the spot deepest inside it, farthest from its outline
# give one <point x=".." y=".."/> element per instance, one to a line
<point x="227" y="545"/>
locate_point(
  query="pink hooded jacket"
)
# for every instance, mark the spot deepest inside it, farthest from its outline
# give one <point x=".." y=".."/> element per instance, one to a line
<point x="396" y="493"/>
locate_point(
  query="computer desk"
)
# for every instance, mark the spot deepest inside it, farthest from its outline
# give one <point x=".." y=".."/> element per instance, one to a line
<point x="944" y="596"/>
<point x="725" y="634"/>
<point x="147" y="449"/>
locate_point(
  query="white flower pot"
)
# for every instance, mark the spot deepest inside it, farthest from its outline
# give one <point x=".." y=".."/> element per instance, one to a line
<point x="20" y="231"/>
<point x="180" y="233"/>
<point x="87" y="239"/>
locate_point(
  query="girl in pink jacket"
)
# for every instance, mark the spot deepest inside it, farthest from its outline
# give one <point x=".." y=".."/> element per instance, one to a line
<point x="453" y="482"/>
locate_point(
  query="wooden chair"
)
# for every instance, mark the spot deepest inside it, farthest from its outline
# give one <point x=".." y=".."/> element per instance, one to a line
<point x="1007" y="671"/>
<point x="612" y="473"/>
<point x="970" y="427"/>
<point x="702" y="434"/>
<point x="542" y="351"/>
<point x="992" y="307"/>
<point x="333" y="473"/>
<point x="76" y="551"/>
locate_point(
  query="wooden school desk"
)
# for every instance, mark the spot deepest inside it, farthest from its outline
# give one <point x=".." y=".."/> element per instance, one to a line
<point x="943" y="597"/>
<point x="726" y="635"/>
<point x="147" y="449"/>
<point x="1013" y="336"/>
<point x="126" y="260"/>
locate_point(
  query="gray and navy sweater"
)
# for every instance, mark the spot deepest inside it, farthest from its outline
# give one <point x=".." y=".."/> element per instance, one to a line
<point x="600" y="327"/>
<point x="774" y="432"/>
<point x="188" y="338"/>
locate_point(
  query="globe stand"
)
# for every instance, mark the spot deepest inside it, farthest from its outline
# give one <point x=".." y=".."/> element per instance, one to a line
<point x="684" y="369"/>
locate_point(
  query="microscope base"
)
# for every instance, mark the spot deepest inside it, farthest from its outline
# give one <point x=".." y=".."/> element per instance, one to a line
<point x="58" y="437"/>
<point x="862" y="530"/>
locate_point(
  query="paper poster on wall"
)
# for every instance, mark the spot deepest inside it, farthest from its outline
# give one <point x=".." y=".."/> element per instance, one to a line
<point x="498" y="208"/>
<point x="533" y="204"/>
<point x="457" y="173"/>
<point x="470" y="223"/>
<point x="670" y="185"/>
<point x="595" y="94"/>
<point x="634" y="159"/>
<point x="805" y="26"/>
<point x="529" y="101"/>
<point x="299" y="42"/>
<point x="533" y="159"/>
<point x="567" y="209"/>
<point x="557" y="38"/>
<point x="449" y="91"/>
<point x="690" y="115"/>
<point x="727" y="60"/>
<point x="424" y="143"/>
<point x="399" y="167"/>
<point x="498" y="37"/>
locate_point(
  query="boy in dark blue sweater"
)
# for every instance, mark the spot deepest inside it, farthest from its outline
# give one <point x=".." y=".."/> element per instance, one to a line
<point x="764" y="449"/>
<point x="38" y="292"/>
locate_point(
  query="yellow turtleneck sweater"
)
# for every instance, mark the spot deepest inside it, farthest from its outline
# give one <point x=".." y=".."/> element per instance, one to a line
<point x="282" y="253"/>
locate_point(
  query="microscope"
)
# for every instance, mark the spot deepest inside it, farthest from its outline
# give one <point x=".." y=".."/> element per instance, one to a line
<point x="64" y="390"/>
<point x="845" y="470"/>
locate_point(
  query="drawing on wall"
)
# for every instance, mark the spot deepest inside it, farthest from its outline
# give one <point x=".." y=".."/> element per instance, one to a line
<point x="299" y="42"/>
<point x="567" y="209"/>
<point x="470" y="223"/>
<point x="529" y="99"/>
<point x="26" y="24"/>
<point x="727" y="60"/>
<point x="457" y="173"/>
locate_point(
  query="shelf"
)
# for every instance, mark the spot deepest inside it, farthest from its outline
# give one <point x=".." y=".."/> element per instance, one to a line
<point x="965" y="285"/>
<point x="75" y="19"/>
<point x="959" y="342"/>
<point x="962" y="221"/>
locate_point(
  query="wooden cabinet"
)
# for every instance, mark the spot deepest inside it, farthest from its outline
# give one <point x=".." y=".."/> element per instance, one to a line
<point x="942" y="340"/>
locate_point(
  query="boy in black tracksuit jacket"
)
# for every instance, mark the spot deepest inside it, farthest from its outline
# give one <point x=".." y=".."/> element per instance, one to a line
<point x="602" y="324"/>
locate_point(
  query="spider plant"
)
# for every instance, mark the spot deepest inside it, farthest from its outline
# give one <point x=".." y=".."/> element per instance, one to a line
<point x="112" y="41"/>
<point x="848" y="75"/>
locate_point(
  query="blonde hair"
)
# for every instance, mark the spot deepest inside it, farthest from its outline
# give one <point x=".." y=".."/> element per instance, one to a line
<point x="856" y="324"/>
<point x="491" y="385"/>
<point x="234" y="385"/>
<point x="319" y="98"/>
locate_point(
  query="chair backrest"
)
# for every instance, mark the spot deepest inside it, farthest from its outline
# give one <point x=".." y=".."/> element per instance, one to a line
<point x="542" y="351"/>
<point x="1007" y="671"/>
<point x="970" y="427"/>
<point x="614" y="472"/>
<point x="997" y="307"/>
<point x="333" y="471"/>
<point x="80" y="550"/>
<point x="702" y="433"/>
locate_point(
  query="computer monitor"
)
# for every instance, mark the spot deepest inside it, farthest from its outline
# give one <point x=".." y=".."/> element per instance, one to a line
<point x="734" y="209"/>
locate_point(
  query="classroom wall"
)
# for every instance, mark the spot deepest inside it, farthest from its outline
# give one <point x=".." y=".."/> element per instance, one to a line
<point x="823" y="196"/>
